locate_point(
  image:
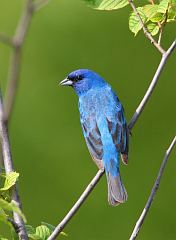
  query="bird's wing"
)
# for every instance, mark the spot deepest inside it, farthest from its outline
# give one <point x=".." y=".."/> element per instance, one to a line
<point x="119" y="131"/>
<point x="93" y="139"/>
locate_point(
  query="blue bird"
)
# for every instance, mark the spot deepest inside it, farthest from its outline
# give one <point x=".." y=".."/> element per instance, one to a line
<point x="104" y="127"/>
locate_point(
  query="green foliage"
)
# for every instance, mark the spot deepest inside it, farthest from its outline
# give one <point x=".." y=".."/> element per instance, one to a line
<point x="41" y="232"/>
<point x="134" y="21"/>
<point x="154" y="16"/>
<point x="160" y="14"/>
<point x="106" y="4"/>
<point x="6" y="206"/>
<point x="10" y="180"/>
<point x="2" y="238"/>
<point x="153" y="28"/>
<point x="10" y="206"/>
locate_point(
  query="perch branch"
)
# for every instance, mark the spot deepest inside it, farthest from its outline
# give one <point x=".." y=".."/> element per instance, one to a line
<point x="135" y="117"/>
<point x="15" y="61"/>
<point x="147" y="34"/>
<point x="8" y="164"/>
<point x="153" y="192"/>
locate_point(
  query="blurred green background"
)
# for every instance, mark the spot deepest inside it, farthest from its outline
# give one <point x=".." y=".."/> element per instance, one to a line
<point x="46" y="139"/>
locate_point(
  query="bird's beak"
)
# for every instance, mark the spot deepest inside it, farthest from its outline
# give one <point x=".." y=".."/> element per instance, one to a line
<point x="66" y="82"/>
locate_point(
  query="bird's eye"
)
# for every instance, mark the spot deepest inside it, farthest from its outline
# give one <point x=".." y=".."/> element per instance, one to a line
<point x="79" y="77"/>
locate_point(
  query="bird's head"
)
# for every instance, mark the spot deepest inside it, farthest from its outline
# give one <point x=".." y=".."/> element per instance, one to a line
<point x="83" y="80"/>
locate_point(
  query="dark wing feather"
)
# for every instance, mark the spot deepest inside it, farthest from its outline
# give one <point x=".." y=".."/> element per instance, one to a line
<point x="93" y="139"/>
<point x="120" y="135"/>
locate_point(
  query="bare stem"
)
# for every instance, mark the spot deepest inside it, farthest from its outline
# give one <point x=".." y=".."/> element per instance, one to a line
<point x="8" y="164"/>
<point x="135" y="117"/>
<point x="153" y="192"/>
<point x="152" y="86"/>
<point x="15" y="61"/>
<point x="147" y="34"/>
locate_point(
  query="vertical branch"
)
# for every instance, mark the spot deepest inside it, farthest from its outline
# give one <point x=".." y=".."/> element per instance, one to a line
<point x="16" y="42"/>
<point x="8" y="164"/>
<point x="15" y="61"/>
<point x="153" y="192"/>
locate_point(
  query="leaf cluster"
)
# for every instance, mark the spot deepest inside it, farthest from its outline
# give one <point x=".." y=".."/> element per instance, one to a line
<point x="154" y="15"/>
<point x="41" y="232"/>
<point x="7" y="207"/>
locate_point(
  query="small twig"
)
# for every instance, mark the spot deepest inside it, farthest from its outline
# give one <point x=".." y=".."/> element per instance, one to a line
<point x="162" y="26"/>
<point x="147" y="34"/>
<point x="8" y="164"/>
<point x="152" y="85"/>
<point x="134" y="119"/>
<point x="159" y="25"/>
<point x="153" y="192"/>
<point x="14" y="67"/>
<point x="6" y="40"/>
<point x="77" y="205"/>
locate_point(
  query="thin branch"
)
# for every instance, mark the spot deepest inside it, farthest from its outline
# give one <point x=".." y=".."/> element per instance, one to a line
<point x="152" y="85"/>
<point x="153" y="192"/>
<point x="162" y="26"/>
<point x="8" y="164"/>
<point x="147" y="34"/>
<point x="99" y="174"/>
<point x="15" y="61"/>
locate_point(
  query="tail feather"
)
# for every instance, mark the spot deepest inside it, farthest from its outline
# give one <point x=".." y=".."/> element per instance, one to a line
<point x="116" y="190"/>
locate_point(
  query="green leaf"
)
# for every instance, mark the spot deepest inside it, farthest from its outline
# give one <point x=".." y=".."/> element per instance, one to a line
<point x="2" y="238"/>
<point x="159" y="17"/>
<point x="171" y="16"/>
<point x="51" y="228"/>
<point x="30" y="229"/>
<point x="34" y="237"/>
<point x="11" y="207"/>
<point x="64" y="234"/>
<point x="163" y="6"/>
<point x="150" y="10"/>
<point x="106" y="4"/>
<point x="3" y="216"/>
<point x="153" y="28"/>
<point x="43" y="232"/>
<point x="134" y="21"/>
<point x="11" y="179"/>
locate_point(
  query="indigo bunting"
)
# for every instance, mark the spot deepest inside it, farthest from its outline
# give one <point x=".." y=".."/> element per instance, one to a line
<point x="104" y="127"/>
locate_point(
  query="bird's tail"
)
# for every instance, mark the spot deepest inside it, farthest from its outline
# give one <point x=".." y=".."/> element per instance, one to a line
<point x="116" y="191"/>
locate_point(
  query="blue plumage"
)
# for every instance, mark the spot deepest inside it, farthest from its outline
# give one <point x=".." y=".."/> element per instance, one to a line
<point x="104" y="127"/>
